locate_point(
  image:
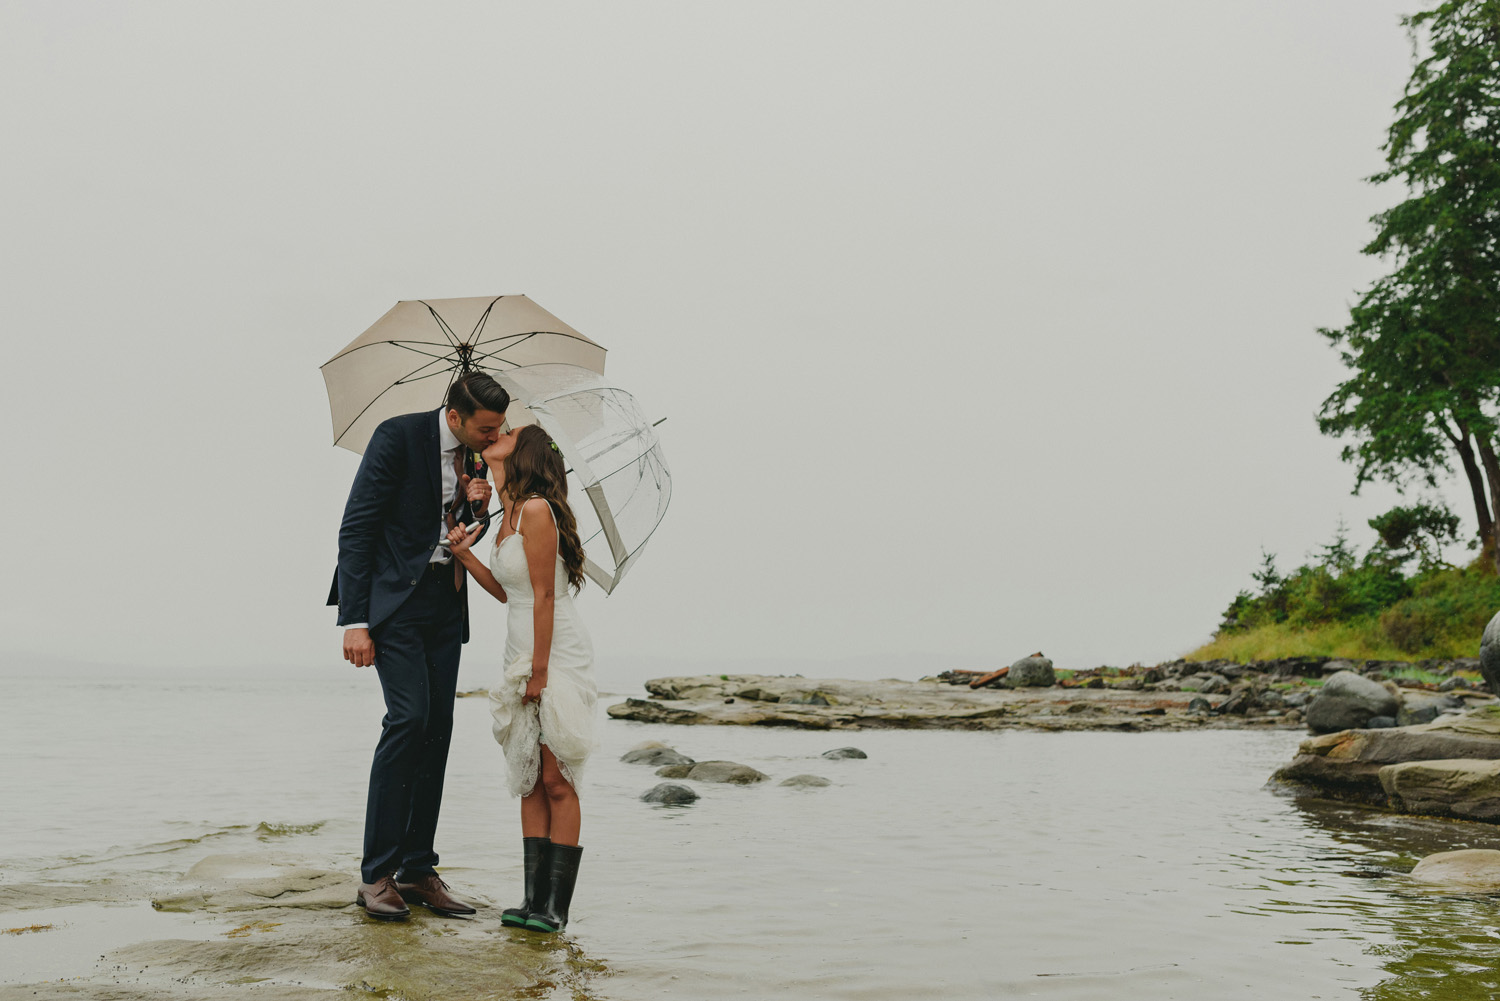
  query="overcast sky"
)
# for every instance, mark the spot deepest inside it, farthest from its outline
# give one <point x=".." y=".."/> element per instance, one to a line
<point x="981" y="328"/>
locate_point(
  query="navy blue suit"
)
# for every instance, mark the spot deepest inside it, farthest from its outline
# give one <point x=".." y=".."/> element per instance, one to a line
<point x="418" y="620"/>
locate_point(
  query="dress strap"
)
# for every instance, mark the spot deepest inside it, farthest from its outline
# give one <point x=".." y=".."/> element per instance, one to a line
<point x="521" y="510"/>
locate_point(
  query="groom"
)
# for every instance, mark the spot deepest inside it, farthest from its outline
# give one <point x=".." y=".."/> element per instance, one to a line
<point x="404" y="608"/>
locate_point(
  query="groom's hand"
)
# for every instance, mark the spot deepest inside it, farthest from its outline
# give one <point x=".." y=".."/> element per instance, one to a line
<point x="477" y="490"/>
<point x="359" y="649"/>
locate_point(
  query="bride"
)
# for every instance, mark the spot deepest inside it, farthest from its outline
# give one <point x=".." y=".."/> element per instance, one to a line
<point x="543" y="707"/>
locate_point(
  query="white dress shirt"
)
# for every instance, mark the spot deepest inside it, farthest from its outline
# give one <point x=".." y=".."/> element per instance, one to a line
<point x="448" y="445"/>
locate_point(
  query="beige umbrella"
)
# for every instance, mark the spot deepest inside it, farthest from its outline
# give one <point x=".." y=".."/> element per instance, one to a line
<point x="405" y="362"/>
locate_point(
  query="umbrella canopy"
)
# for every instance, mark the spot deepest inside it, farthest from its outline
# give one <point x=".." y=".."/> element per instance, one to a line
<point x="405" y="362"/>
<point x="615" y="457"/>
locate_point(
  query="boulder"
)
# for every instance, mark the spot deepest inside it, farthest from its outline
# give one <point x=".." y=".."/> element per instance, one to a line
<point x="1031" y="672"/>
<point x="1468" y="869"/>
<point x="1424" y="707"/>
<point x="655" y="755"/>
<point x="806" y="781"/>
<point x="845" y="752"/>
<point x="1489" y="654"/>
<point x="669" y="794"/>
<point x="1347" y="701"/>
<point x="1462" y="788"/>
<point x="674" y="771"/>
<point x="725" y="771"/>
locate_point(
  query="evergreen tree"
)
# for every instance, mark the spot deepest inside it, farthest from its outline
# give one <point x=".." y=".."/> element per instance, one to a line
<point x="1423" y="343"/>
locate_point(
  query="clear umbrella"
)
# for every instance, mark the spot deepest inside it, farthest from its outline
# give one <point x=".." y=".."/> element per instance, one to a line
<point x="405" y="362"/>
<point x="615" y="457"/>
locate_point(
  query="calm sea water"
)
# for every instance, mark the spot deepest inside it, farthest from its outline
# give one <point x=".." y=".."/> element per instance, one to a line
<point x="956" y="865"/>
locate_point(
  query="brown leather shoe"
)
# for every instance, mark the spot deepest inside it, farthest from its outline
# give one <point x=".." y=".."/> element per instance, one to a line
<point x="381" y="900"/>
<point x="432" y="893"/>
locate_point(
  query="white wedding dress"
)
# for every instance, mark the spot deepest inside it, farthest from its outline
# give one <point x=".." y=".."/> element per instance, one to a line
<point x="564" y="717"/>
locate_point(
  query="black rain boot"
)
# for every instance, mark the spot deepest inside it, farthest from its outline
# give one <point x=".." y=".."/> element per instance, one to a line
<point x="535" y="853"/>
<point x="561" y="868"/>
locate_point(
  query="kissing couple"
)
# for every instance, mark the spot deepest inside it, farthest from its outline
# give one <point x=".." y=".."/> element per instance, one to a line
<point x="418" y="506"/>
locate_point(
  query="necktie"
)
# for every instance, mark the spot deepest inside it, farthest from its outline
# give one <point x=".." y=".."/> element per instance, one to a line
<point x="450" y="517"/>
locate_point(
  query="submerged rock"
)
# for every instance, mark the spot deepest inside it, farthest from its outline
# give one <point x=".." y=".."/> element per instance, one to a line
<point x="674" y="771"/>
<point x="1347" y="701"/>
<point x="725" y="771"/>
<point x="655" y="755"/>
<point x="669" y="794"/>
<point x="844" y="752"/>
<point x="1469" y="869"/>
<point x="806" y="781"/>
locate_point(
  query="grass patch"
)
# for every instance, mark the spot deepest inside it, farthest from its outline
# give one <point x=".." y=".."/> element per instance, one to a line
<point x="1436" y="614"/>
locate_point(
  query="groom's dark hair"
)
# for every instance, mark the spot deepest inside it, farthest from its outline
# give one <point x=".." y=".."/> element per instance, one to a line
<point x="477" y="391"/>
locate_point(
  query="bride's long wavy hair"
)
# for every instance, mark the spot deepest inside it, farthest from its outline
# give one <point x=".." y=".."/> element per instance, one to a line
<point x="534" y="468"/>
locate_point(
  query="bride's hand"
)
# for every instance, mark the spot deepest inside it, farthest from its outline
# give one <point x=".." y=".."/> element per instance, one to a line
<point x="534" y="687"/>
<point x="460" y="539"/>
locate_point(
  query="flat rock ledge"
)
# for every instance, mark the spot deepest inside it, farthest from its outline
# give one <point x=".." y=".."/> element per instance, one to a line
<point x="1447" y="768"/>
<point x="930" y="704"/>
<point x="269" y="928"/>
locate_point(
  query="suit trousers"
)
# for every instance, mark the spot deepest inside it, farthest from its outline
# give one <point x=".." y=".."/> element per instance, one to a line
<point x="416" y="656"/>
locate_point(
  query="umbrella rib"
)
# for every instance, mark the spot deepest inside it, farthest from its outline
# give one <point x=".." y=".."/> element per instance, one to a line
<point x="366" y="407"/>
<point x="487" y="356"/>
<point x="442" y="323"/>
<point x="554" y="333"/>
<point x="407" y="380"/>
<point x="407" y="346"/>
<point x="483" y="319"/>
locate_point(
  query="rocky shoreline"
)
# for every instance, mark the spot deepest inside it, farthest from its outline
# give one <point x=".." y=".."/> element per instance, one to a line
<point x="1177" y="695"/>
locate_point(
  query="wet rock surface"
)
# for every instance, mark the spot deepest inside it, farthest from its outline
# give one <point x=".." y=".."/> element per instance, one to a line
<point x="269" y="928"/>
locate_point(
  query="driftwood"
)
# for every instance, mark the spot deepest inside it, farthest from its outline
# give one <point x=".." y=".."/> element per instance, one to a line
<point x="983" y="680"/>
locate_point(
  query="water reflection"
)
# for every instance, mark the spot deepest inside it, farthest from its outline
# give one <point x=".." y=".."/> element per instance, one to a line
<point x="1433" y="944"/>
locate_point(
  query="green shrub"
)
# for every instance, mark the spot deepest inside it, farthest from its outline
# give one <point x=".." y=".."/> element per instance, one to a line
<point x="1342" y="604"/>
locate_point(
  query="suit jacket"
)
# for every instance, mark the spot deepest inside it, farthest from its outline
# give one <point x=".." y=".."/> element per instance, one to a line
<point x="391" y="519"/>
